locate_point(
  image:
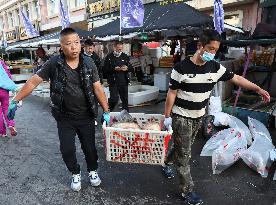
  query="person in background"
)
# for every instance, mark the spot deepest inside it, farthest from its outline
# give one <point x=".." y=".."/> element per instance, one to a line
<point x="191" y="84"/>
<point x="40" y="59"/>
<point x="74" y="81"/>
<point x="4" y="104"/>
<point x="117" y="68"/>
<point x="89" y="50"/>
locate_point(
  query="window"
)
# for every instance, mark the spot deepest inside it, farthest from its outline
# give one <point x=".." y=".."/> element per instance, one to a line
<point x="26" y="10"/>
<point x="1" y="23"/>
<point x="35" y="10"/>
<point x="53" y="7"/>
<point x="16" y="17"/>
<point x="76" y="3"/>
<point x="234" y="18"/>
<point x="10" y="20"/>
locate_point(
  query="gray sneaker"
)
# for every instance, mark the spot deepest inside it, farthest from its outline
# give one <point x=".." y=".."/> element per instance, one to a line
<point x="76" y="182"/>
<point x="94" y="178"/>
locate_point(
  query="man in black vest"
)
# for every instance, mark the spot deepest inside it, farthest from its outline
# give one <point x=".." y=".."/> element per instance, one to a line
<point x="73" y="82"/>
<point x="116" y="68"/>
<point x="89" y="50"/>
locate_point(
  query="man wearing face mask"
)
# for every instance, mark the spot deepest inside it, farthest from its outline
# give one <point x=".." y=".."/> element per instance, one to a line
<point x="116" y="68"/>
<point x="191" y="84"/>
<point x="89" y="50"/>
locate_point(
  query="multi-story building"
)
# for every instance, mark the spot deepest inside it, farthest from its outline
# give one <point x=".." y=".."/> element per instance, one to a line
<point x="50" y="14"/>
<point x="44" y="14"/>
<point x="242" y="13"/>
<point x="11" y="22"/>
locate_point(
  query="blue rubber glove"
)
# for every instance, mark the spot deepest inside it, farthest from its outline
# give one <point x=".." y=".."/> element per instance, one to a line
<point x="11" y="110"/>
<point x="106" y="117"/>
<point x="168" y="123"/>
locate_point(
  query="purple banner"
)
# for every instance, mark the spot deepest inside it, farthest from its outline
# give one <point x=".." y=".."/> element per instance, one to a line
<point x="29" y="28"/>
<point x="132" y="13"/>
<point x="65" y="22"/>
<point x="218" y="16"/>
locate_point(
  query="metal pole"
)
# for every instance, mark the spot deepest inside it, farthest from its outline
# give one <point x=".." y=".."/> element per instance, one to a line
<point x="120" y="36"/>
<point x="249" y="56"/>
<point x="31" y="52"/>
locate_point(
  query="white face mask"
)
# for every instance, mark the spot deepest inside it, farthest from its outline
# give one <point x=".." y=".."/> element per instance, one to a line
<point x="87" y="53"/>
<point x="117" y="54"/>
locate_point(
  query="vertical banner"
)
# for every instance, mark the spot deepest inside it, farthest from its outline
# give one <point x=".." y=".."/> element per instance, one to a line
<point x="132" y="13"/>
<point x="29" y="28"/>
<point x="218" y="16"/>
<point x="65" y="22"/>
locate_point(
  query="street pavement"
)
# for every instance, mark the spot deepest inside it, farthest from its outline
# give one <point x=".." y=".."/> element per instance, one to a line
<point x="32" y="171"/>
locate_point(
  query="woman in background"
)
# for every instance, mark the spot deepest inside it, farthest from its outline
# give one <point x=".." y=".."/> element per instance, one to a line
<point x="4" y="104"/>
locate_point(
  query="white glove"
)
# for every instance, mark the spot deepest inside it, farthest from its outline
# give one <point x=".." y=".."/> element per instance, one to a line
<point x="168" y="123"/>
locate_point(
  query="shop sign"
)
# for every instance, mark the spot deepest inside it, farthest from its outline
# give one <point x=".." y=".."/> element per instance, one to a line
<point x="22" y="32"/>
<point x="11" y="36"/>
<point x="98" y="8"/>
<point x="166" y="2"/>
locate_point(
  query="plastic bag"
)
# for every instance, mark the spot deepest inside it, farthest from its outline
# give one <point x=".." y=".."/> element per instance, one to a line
<point x="228" y="152"/>
<point x="239" y="125"/>
<point x="224" y="119"/>
<point x="256" y="127"/>
<point x="215" y="141"/>
<point x="257" y="155"/>
<point x="214" y="105"/>
<point x="221" y="119"/>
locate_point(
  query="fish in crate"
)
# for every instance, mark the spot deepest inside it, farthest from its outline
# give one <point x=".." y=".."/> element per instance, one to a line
<point x="137" y="138"/>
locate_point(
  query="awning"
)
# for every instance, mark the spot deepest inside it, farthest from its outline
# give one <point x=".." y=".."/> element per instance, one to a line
<point x="48" y="39"/>
<point x="32" y="43"/>
<point x="159" y="17"/>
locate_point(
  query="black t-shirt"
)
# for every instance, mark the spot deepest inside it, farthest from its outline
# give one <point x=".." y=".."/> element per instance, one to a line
<point x="75" y="101"/>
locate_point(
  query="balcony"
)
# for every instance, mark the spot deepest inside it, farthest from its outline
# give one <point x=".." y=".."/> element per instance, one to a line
<point x="7" y="3"/>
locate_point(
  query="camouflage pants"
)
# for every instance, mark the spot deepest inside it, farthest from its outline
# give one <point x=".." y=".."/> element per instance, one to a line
<point x="184" y="132"/>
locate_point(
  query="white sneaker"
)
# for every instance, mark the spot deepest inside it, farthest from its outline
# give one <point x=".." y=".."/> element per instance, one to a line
<point x="76" y="182"/>
<point x="94" y="178"/>
<point x="96" y="123"/>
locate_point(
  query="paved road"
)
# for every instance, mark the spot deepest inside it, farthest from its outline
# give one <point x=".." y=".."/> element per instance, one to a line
<point x="32" y="171"/>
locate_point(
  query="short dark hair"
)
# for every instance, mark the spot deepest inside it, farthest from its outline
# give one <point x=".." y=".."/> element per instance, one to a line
<point x="89" y="42"/>
<point x="118" y="43"/>
<point x="209" y="35"/>
<point x="67" y="31"/>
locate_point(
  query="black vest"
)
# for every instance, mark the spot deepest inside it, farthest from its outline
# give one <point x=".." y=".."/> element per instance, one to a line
<point x="58" y="82"/>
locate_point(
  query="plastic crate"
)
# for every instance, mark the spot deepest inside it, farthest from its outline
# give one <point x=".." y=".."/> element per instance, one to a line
<point x="137" y="146"/>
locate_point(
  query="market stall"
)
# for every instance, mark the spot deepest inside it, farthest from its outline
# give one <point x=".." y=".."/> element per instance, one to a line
<point x="257" y="64"/>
